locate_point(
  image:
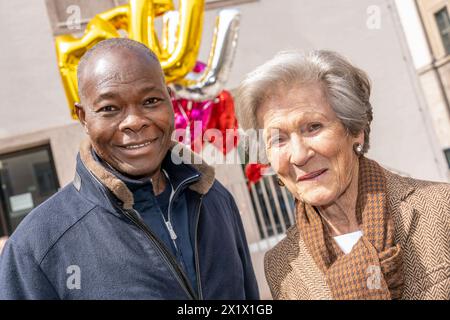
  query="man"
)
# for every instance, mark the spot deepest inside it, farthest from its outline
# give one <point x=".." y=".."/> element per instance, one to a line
<point x="2" y="243"/>
<point x="134" y="224"/>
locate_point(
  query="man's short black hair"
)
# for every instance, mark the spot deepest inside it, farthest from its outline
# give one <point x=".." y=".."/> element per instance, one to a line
<point x="108" y="45"/>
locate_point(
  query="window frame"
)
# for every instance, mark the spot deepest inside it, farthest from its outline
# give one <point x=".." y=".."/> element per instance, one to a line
<point x="447" y="156"/>
<point x="61" y="27"/>
<point x="5" y="223"/>
<point x="445" y="46"/>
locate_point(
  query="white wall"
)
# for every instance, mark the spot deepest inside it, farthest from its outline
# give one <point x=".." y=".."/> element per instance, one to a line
<point x="414" y="33"/>
<point x="32" y="97"/>
<point x="31" y="92"/>
<point x="402" y="137"/>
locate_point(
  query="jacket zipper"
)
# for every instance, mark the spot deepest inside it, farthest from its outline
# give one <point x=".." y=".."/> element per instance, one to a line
<point x="167" y="256"/>
<point x="173" y="195"/>
<point x="133" y="216"/>
<point x="172" y="231"/>
<point x="197" y="263"/>
<point x="173" y="235"/>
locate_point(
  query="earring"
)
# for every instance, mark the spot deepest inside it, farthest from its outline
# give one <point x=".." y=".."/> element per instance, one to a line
<point x="358" y="148"/>
<point x="280" y="183"/>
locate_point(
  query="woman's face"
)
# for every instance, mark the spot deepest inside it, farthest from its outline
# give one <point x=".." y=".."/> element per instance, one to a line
<point x="307" y="145"/>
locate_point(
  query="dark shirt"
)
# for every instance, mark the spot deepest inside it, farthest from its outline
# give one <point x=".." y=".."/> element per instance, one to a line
<point x="154" y="212"/>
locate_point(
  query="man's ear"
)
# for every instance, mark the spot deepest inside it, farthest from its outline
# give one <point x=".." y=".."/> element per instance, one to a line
<point x="81" y="114"/>
<point x="170" y="91"/>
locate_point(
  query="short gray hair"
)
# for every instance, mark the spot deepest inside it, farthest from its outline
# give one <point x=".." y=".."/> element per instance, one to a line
<point x="347" y="87"/>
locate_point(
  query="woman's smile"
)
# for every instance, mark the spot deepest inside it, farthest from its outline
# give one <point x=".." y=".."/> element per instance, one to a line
<point x="314" y="175"/>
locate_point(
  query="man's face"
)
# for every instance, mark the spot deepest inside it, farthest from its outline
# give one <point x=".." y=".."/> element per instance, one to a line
<point x="127" y="111"/>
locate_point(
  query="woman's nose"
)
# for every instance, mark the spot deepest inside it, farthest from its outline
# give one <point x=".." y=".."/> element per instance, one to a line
<point x="300" y="152"/>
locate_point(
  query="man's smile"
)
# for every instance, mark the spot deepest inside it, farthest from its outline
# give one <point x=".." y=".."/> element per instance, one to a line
<point x="138" y="149"/>
<point x="138" y="145"/>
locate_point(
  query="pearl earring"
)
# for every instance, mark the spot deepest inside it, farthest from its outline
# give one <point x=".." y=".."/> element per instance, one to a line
<point x="358" y="149"/>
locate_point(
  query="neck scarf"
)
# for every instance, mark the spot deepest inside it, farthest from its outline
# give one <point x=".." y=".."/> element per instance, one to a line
<point x="373" y="269"/>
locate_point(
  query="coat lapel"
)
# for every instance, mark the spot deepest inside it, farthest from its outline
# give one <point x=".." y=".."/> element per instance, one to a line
<point x="402" y="211"/>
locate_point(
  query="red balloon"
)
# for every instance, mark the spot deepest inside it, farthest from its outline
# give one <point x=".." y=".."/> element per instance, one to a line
<point x="223" y="119"/>
<point x="253" y="172"/>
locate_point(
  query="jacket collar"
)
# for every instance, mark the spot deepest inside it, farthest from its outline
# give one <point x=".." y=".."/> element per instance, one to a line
<point x="180" y="164"/>
<point x="398" y="190"/>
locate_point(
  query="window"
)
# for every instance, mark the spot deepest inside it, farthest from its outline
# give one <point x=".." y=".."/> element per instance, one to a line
<point x="443" y="23"/>
<point x="60" y="12"/>
<point x="27" y="178"/>
<point x="219" y="4"/>
<point x="447" y="155"/>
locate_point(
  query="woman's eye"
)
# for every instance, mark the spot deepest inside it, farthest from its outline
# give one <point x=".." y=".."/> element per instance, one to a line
<point x="276" y="141"/>
<point x="314" y="127"/>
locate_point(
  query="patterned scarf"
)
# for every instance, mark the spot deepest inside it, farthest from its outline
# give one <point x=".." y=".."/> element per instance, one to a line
<point x="373" y="269"/>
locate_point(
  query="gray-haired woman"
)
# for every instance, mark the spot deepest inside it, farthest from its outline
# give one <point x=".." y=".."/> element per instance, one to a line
<point x="361" y="231"/>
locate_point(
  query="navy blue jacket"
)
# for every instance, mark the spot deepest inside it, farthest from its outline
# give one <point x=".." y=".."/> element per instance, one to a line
<point x="87" y="242"/>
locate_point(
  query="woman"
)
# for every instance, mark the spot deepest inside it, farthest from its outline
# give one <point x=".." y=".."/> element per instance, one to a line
<point x="361" y="231"/>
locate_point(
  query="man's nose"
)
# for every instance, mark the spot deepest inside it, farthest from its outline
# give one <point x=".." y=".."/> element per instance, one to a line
<point x="301" y="152"/>
<point x="135" y="120"/>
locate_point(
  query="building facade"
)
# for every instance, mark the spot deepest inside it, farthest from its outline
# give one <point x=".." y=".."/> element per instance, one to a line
<point x="426" y="24"/>
<point x="39" y="140"/>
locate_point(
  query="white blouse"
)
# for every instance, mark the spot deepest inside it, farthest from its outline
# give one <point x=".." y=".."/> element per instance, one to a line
<point x="348" y="240"/>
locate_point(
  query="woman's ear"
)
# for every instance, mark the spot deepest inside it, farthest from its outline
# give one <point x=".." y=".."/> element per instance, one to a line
<point x="81" y="114"/>
<point x="360" y="137"/>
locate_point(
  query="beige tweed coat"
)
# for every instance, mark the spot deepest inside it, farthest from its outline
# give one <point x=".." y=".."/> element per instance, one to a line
<point x="421" y="215"/>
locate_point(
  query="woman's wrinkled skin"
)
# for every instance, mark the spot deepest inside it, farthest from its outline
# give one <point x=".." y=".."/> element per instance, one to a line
<point x="312" y="152"/>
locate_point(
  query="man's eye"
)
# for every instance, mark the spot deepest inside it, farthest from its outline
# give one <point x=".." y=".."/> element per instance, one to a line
<point x="151" y="101"/>
<point x="108" y="109"/>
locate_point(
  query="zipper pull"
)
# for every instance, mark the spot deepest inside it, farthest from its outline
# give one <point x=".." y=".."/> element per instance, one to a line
<point x="172" y="233"/>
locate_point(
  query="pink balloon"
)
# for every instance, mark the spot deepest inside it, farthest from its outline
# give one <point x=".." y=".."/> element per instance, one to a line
<point x="196" y="115"/>
<point x="199" y="67"/>
<point x="190" y="113"/>
<point x="180" y="122"/>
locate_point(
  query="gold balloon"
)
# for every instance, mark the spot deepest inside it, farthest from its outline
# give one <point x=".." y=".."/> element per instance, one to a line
<point x="117" y="16"/>
<point x="208" y="84"/>
<point x="181" y="61"/>
<point x="169" y="32"/>
<point x="70" y="49"/>
<point x="177" y="54"/>
<point x="141" y="25"/>
<point x="138" y="18"/>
